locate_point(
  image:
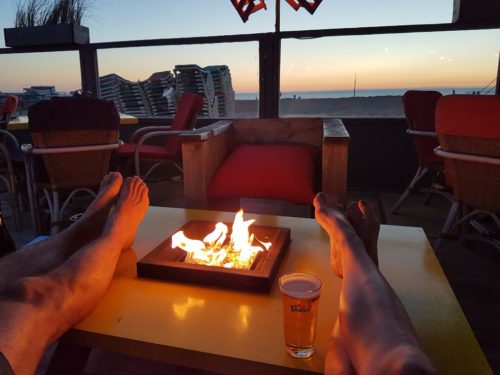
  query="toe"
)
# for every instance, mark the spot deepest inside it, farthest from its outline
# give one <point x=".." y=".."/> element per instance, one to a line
<point x="368" y="211"/>
<point x="317" y="201"/>
<point x="354" y="214"/>
<point x="105" y="180"/>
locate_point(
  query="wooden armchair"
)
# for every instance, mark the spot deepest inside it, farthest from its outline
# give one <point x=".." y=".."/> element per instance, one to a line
<point x="206" y="149"/>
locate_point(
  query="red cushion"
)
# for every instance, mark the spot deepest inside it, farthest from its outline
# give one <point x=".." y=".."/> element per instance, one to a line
<point x="128" y="150"/>
<point x="187" y="110"/>
<point x="283" y="172"/>
<point x="469" y="116"/>
<point x="420" y="108"/>
<point x="9" y="105"/>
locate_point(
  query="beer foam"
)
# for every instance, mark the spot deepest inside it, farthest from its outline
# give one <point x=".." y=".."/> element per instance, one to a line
<point x="300" y="285"/>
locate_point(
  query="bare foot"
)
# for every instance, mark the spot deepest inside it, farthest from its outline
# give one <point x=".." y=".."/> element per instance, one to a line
<point x="108" y="191"/>
<point x="363" y="218"/>
<point x="129" y="212"/>
<point x="329" y="215"/>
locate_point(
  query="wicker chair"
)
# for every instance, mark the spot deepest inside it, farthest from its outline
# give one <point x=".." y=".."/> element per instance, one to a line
<point x="8" y="152"/>
<point x="420" y="107"/>
<point x="8" y="175"/>
<point x="468" y="128"/>
<point x="74" y="138"/>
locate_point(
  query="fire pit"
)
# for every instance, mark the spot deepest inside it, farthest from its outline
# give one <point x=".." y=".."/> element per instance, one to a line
<point x="247" y="258"/>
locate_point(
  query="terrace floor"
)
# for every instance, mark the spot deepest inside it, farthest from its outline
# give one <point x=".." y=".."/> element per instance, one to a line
<point x="473" y="273"/>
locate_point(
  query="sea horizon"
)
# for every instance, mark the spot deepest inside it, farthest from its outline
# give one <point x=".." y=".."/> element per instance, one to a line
<point x="326" y="94"/>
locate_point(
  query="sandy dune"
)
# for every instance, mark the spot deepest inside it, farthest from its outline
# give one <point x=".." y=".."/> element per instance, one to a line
<point x="371" y="106"/>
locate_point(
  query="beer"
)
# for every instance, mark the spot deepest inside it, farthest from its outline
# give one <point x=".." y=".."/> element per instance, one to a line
<point x="300" y="297"/>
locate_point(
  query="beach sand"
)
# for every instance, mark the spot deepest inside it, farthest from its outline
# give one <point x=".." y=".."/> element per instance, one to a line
<point x="369" y="106"/>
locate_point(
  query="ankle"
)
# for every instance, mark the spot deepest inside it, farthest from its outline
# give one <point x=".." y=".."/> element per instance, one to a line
<point x="114" y="235"/>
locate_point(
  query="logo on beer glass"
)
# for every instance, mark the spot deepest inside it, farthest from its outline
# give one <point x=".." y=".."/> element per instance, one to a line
<point x="300" y="308"/>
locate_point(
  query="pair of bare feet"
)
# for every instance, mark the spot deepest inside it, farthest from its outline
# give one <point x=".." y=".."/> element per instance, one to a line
<point x="347" y="227"/>
<point x="67" y="274"/>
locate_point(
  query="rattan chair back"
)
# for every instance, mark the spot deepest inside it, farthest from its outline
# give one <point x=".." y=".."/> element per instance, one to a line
<point x="73" y="122"/>
<point x="475" y="184"/>
<point x="470" y="124"/>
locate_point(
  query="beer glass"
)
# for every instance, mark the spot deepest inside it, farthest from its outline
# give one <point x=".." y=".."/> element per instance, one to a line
<point x="300" y="297"/>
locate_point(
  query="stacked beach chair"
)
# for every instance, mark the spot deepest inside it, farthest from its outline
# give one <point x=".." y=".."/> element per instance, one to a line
<point x="127" y="96"/>
<point x="223" y="88"/>
<point x="156" y="89"/>
<point x="158" y="95"/>
<point x="194" y="79"/>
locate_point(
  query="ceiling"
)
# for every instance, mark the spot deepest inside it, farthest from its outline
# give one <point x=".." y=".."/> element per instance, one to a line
<point x="476" y="12"/>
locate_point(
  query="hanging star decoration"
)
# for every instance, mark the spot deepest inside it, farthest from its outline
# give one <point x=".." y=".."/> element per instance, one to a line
<point x="246" y="7"/>
<point x="309" y="5"/>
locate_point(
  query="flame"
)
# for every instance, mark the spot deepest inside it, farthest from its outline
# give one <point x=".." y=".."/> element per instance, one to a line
<point x="216" y="250"/>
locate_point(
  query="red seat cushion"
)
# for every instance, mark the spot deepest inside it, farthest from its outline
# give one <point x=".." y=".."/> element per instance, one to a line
<point x="420" y="109"/>
<point x="469" y="116"/>
<point x="146" y="151"/>
<point x="283" y="172"/>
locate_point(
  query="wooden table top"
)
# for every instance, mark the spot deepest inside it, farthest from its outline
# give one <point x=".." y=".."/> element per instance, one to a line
<point x="229" y="331"/>
<point x="21" y="122"/>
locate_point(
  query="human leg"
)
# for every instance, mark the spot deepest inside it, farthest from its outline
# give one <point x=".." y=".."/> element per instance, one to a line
<point x="44" y="256"/>
<point x="71" y="291"/>
<point x="337" y="360"/>
<point x="374" y="329"/>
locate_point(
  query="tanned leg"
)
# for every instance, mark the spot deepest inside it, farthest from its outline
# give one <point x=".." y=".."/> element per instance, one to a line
<point x="44" y="256"/>
<point x="337" y="360"/>
<point x="374" y="329"/>
<point x="38" y="309"/>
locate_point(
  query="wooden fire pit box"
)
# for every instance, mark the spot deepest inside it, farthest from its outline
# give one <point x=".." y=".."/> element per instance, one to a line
<point x="166" y="263"/>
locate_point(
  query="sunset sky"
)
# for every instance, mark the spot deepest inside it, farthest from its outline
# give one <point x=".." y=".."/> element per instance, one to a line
<point x="452" y="59"/>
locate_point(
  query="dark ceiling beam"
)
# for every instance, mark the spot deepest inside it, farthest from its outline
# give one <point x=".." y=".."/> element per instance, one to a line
<point x="476" y="11"/>
<point x="377" y="30"/>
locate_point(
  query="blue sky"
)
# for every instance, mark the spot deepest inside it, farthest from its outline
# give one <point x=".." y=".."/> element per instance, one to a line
<point x="430" y="59"/>
<point x="133" y="19"/>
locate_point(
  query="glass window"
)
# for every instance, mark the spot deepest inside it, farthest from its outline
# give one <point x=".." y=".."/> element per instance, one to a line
<point x="363" y="13"/>
<point x="366" y="75"/>
<point x="151" y="19"/>
<point x="149" y="81"/>
<point x="38" y="76"/>
<point x="133" y="20"/>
